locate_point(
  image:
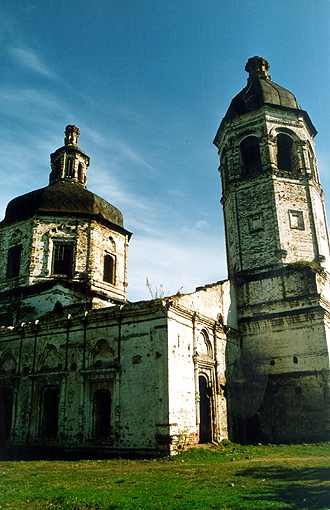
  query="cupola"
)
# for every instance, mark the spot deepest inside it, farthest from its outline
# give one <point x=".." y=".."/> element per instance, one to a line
<point x="69" y="162"/>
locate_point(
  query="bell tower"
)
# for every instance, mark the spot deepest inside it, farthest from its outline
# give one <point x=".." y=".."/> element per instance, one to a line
<point x="278" y="263"/>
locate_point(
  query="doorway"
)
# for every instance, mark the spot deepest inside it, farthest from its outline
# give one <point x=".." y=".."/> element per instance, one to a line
<point x="102" y="414"/>
<point x="6" y="409"/>
<point x="205" y="413"/>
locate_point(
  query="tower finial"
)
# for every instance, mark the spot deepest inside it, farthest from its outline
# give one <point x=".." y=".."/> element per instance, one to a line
<point x="71" y="135"/>
<point x="257" y="67"/>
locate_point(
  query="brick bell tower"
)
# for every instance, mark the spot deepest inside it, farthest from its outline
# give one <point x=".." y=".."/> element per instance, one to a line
<point x="278" y="263"/>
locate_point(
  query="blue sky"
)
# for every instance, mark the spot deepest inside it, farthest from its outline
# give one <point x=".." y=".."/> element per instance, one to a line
<point x="148" y="82"/>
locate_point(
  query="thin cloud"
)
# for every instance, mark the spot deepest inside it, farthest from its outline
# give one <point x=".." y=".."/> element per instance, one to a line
<point x="30" y="59"/>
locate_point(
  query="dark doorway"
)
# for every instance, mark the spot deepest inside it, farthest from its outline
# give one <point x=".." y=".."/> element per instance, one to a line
<point x="102" y="414"/>
<point x="50" y="401"/>
<point x="6" y="409"/>
<point x="205" y="429"/>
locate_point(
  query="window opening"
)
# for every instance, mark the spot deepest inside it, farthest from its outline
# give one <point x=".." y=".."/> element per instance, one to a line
<point x="80" y="172"/>
<point x="69" y="167"/>
<point x="284" y="152"/>
<point x="63" y="259"/>
<point x="108" y="269"/>
<point x="250" y="155"/>
<point x="14" y="261"/>
<point x="102" y="413"/>
<point x="58" y="169"/>
<point x="49" y="421"/>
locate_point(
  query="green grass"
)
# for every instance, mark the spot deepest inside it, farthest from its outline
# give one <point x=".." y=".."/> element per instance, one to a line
<point x="230" y="477"/>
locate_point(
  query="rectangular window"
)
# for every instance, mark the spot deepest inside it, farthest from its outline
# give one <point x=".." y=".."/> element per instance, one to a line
<point x="63" y="259"/>
<point x="14" y="261"/>
<point x="297" y="220"/>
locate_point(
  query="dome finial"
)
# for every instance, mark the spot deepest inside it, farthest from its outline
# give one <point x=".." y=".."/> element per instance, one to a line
<point x="71" y="135"/>
<point x="257" y="67"/>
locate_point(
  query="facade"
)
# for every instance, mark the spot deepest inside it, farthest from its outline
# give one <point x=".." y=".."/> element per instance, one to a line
<point x="83" y="372"/>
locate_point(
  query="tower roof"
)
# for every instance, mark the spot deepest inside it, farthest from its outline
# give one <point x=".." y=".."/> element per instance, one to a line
<point x="66" y="193"/>
<point x="260" y="91"/>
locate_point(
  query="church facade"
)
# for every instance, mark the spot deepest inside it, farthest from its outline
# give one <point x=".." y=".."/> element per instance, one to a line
<point x="84" y="372"/>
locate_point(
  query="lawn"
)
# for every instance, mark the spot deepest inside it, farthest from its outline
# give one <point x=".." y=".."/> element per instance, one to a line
<point x="229" y="477"/>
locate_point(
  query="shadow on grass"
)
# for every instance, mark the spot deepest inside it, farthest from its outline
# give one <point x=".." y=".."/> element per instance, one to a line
<point x="299" y="488"/>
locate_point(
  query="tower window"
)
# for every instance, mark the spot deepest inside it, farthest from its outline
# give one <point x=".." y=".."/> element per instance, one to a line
<point x="14" y="261"/>
<point x="109" y="269"/>
<point x="284" y="152"/>
<point x="250" y="156"/>
<point x="63" y="259"/>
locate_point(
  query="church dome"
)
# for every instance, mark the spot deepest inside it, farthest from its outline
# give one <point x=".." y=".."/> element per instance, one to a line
<point x="61" y="198"/>
<point x="260" y="90"/>
<point x="66" y="193"/>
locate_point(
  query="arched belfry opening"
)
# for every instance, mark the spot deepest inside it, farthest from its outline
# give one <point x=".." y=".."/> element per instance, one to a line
<point x="250" y="156"/>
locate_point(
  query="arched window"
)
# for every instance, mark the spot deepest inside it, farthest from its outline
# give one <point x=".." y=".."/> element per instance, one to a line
<point x="250" y="156"/>
<point x="285" y="152"/>
<point x="102" y="413"/>
<point x="109" y="269"/>
<point x="49" y="411"/>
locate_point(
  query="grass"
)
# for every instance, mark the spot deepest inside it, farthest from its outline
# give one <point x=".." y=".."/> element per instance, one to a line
<point x="228" y="477"/>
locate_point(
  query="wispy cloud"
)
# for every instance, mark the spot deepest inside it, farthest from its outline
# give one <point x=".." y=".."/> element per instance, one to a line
<point x="30" y="59"/>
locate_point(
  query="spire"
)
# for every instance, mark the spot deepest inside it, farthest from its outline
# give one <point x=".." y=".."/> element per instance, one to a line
<point x="257" y="67"/>
<point x="69" y="163"/>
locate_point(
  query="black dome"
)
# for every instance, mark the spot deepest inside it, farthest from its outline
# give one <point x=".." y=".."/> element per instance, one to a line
<point x="259" y="93"/>
<point x="61" y="197"/>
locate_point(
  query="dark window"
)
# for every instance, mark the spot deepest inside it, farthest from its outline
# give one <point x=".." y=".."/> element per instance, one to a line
<point x="80" y="173"/>
<point x="69" y="167"/>
<point x="58" y="169"/>
<point x="102" y="413"/>
<point x="284" y="152"/>
<point x="49" y="406"/>
<point x="250" y="155"/>
<point x="108" y="269"/>
<point x="63" y="259"/>
<point x="14" y="261"/>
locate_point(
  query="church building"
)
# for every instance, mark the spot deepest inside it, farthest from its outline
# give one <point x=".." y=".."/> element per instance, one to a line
<point x="86" y="373"/>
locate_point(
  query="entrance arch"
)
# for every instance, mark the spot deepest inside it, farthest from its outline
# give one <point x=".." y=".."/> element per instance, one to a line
<point x="205" y="411"/>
